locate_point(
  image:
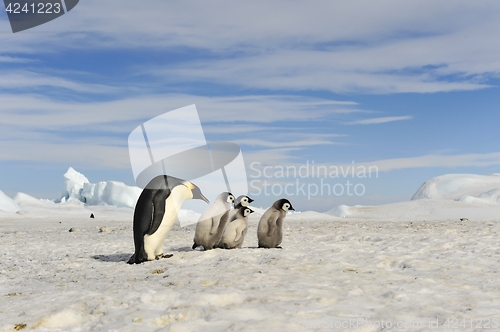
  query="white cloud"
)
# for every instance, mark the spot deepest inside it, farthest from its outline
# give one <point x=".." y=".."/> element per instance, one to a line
<point x="13" y="59"/>
<point x="39" y="128"/>
<point x="399" y="47"/>
<point x="236" y="129"/>
<point x="349" y="111"/>
<point x="270" y="131"/>
<point x="386" y="165"/>
<point x="451" y="161"/>
<point x="25" y="79"/>
<point x="71" y="153"/>
<point x="381" y="120"/>
<point x="40" y="111"/>
<point x="281" y="156"/>
<point x="223" y="25"/>
<point x="268" y="144"/>
<point x="424" y="46"/>
<point x="318" y="70"/>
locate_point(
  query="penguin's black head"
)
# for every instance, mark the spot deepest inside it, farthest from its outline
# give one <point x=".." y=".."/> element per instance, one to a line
<point x="283" y="204"/>
<point x="197" y="192"/>
<point x="167" y="182"/>
<point x="242" y="200"/>
<point x="245" y="211"/>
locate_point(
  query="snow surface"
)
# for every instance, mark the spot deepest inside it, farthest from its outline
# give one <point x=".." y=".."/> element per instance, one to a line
<point x="329" y="269"/>
<point x="408" y="263"/>
<point x="7" y="204"/>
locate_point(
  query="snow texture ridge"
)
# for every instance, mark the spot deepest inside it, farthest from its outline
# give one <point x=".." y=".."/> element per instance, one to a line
<point x="329" y="268"/>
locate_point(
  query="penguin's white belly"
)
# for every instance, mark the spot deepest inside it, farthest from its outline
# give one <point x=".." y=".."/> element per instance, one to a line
<point x="153" y="244"/>
<point x="235" y="234"/>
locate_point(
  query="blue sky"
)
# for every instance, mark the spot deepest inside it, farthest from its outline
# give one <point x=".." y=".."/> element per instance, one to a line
<point x="411" y="87"/>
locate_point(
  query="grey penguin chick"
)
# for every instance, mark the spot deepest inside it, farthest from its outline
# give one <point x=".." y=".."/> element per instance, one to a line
<point x="241" y="201"/>
<point x="212" y="222"/>
<point x="236" y="230"/>
<point x="270" y="229"/>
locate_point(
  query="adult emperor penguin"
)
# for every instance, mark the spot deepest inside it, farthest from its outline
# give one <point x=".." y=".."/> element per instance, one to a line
<point x="270" y="230"/>
<point x="213" y="221"/>
<point x="236" y="230"/>
<point x="155" y="213"/>
<point x="241" y="201"/>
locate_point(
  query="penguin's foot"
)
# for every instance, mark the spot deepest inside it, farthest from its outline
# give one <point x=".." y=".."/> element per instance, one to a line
<point x="160" y="256"/>
<point x="134" y="260"/>
<point x="279" y="247"/>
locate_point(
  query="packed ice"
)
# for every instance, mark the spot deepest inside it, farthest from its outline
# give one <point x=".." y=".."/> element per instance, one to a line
<point x="113" y="193"/>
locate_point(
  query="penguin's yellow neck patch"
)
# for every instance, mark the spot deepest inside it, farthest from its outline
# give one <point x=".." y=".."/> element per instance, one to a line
<point x="190" y="186"/>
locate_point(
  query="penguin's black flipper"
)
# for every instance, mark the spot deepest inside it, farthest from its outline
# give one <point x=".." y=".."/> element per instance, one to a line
<point x="159" y="205"/>
<point x="142" y="222"/>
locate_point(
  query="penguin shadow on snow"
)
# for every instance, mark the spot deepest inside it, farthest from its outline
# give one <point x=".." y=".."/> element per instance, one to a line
<point x="116" y="258"/>
<point x="256" y="247"/>
<point x="181" y="249"/>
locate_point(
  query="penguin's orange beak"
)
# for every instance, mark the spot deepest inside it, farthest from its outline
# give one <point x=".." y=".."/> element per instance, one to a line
<point x="204" y="198"/>
<point x="197" y="193"/>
